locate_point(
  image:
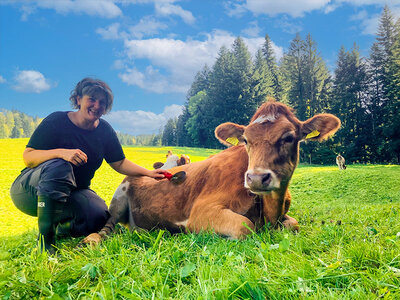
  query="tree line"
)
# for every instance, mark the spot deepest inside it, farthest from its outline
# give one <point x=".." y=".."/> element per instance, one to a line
<point x="15" y="124"/>
<point x="139" y="140"/>
<point x="362" y="91"/>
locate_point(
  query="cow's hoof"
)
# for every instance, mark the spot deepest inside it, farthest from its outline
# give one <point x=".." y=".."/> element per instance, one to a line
<point x="92" y="239"/>
<point x="291" y="223"/>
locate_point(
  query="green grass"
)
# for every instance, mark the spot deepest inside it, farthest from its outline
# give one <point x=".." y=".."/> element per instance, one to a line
<point x="348" y="246"/>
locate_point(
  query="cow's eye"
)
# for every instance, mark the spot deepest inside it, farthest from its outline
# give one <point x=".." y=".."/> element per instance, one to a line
<point x="288" y="139"/>
<point x="245" y="141"/>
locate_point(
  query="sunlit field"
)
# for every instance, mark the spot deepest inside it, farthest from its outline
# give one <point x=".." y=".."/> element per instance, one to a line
<point x="104" y="183"/>
<point x="348" y="246"/>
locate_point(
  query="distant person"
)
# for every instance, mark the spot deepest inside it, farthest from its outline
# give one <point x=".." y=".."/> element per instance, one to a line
<point x="62" y="157"/>
<point x="340" y="161"/>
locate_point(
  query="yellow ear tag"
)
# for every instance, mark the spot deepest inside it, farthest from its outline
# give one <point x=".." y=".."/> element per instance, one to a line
<point x="233" y="140"/>
<point x="312" y="134"/>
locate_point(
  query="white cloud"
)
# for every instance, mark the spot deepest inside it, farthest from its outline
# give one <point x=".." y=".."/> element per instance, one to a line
<point x="27" y="11"/>
<point x="110" y="33"/>
<point x="369" y="23"/>
<point x="2" y="79"/>
<point x="147" y="26"/>
<point x="30" y="81"/>
<point x="118" y="64"/>
<point x="298" y="8"/>
<point x="234" y="9"/>
<point x="101" y="8"/>
<point x="369" y="2"/>
<point x="167" y="9"/>
<point x="361" y="15"/>
<point x="142" y="122"/>
<point x="151" y="80"/>
<point x="294" y="8"/>
<point x="288" y="26"/>
<point x="253" y="30"/>
<point x="180" y="60"/>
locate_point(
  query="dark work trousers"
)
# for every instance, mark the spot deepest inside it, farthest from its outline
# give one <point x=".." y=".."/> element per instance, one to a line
<point x="55" y="179"/>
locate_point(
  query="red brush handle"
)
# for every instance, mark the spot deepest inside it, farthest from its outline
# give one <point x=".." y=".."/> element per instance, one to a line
<point x="167" y="175"/>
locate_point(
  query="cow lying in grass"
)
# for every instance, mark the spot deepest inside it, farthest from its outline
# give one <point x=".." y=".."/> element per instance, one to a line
<point x="232" y="192"/>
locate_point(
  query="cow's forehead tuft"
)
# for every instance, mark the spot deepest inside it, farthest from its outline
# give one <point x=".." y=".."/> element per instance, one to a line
<point x="270" y="131"/>
<point x="266" y="118"/>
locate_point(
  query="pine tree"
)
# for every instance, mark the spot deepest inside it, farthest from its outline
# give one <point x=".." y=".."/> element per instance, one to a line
<point x="349" y="97"/>
<point x="392" y="109"/>
<point x="293" y="71"/>
<point x="317" y="80"/>
<point x="3" y="133"/>
<point x="201" y="82"/>
<point x="231" y="95"/>
<point x="9" y="122"/>
<point x="272" y="69"/>
<point x="263" y="86"/>
<point x="169" y="133"/>
<point x="182" y="136"/>
<point x="26" y="124"/>
<point x="243" y="102"/>
<point x="308" y="83"/>
<point x="380" y="101"/>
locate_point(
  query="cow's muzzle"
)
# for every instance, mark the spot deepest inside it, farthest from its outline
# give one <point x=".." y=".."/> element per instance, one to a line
<point x="261" y="181"/>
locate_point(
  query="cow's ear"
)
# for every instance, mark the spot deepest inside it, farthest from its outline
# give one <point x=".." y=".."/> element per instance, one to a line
<point x="230" y="134"/>
<point x="319" y="127"/>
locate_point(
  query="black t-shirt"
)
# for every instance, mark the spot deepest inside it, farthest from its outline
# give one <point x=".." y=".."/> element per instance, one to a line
<point x="58" y="131"/>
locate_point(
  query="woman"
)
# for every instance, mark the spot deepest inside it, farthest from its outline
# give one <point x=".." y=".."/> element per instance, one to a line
<point x="61" y="158"/>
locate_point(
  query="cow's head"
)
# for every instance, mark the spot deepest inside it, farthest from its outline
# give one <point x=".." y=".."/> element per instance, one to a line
<point x="272" y="141"/>
<point x="184" y="160"/>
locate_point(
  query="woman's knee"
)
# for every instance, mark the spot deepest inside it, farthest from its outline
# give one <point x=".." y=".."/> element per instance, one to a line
<point x="57" y="179"/>
<point x="57" y="165"/>
<point x="91" y="212"/>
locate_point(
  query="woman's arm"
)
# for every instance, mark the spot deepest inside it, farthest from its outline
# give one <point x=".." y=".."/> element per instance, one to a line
<point x="33" y="157"/>
<point x="129" y="168"/>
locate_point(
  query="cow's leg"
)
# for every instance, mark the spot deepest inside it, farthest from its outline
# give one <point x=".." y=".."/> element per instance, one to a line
<point x="119" y="212"/>
<point x="287" y="221"/>
<point x="290" y="223"/>
<point x="219" y="219"/>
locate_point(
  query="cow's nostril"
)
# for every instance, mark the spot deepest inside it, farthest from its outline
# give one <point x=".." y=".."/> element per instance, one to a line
<point x="248" y="178"/>
<point x="266" y="178"/>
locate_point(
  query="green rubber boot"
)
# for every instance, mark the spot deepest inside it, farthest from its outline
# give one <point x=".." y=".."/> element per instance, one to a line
<point x="46" y="220"/>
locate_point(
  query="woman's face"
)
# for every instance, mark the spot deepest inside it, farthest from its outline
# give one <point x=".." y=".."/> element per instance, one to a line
<point x="92" y="107"/>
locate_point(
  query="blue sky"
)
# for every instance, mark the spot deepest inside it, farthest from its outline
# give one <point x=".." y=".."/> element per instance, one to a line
<point x="148" y="51"/>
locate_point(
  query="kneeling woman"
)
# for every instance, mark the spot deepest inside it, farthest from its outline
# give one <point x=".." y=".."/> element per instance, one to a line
<point x="62" y="157"/>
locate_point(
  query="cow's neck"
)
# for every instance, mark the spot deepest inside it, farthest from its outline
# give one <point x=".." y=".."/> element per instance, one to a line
<point x="274" y="206"/>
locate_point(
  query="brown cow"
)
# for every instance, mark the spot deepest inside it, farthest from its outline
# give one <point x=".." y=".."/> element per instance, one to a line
<point x="232" y="192"/>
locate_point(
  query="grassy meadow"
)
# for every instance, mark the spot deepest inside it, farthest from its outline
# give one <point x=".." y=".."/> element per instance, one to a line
<point x="348" y="246"/>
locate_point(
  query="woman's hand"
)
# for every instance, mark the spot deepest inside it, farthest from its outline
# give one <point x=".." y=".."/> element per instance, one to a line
<point x="33" y="157"/>
<point x="157" y="174"/>
<point x="129" y="168"/>
<point x="75" y="156"/>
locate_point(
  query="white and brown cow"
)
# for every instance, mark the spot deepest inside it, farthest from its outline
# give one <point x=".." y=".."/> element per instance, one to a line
<point x="239" y="188"/>
<point x="173" y="160"/>
<point x="340" y="161"/>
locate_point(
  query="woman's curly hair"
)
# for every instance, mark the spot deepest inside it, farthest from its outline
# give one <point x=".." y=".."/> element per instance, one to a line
<point x="89" y="86"/>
